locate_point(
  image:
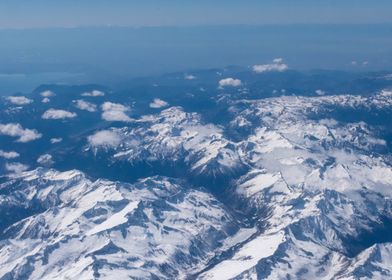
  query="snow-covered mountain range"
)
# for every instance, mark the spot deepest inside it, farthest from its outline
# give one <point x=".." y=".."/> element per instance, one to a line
<point x="285" y="187"/>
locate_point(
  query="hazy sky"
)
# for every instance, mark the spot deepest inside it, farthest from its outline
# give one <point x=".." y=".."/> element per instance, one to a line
<point x="71" y="13"/>
<point x="223" y="32"/>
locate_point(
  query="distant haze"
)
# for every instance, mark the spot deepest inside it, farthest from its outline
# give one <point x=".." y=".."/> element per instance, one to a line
<point x="75" y="13"/>
<point x="105" y="54"/>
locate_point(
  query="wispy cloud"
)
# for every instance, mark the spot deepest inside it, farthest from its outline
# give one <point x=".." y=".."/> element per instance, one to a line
<point x="84" y="105"/>
<point x="45" y="159"/>
<point x="189" y="77"/>
<point x="58" y="114"/>
<point x="359" y="63"/>
<point x="47" y="93"/>
<point x="277" y="65"/>
<point x="16" y="130"/>
<point x="56" y="140"/>
<point x="158" y="103"/>
<point x="94" y="93"/>
<point x="16" y="167"/>
<point x="104" y="138"/>
<point x="8" y="155"/>
<point x="115" y="112"/>
<point x="230" y="82"/>
<point x="19" y="100"/>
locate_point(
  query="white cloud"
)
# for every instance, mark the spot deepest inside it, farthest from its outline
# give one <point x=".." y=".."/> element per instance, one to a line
<point x="19" y="100"/>
<point x="8" y="155"/>
<point x="45" y="100"/>
<point x="16" y="130"/>
<point x="105" y="138"/>
<point x="16" y="167"/>
<point x="45" y="159"/>
<point x="56" y="140"/>
<point x="158" y="103"/>
<point x="320" y="92"/>
<point x="386" y="93"/>
<point x="55" y="114"/>
<point x="190" y="77"/>
<point x="229" y="82"/>
<point x="358" y="63"/>
<point x="47" y="93"/>
<point x="109" y="106"/>
<point x="115" y="112"/>
<point x="93" y="93"/>
<point x="84" y="105"/>
<point x="277" y="65"/>
<point x="388" y="77"/>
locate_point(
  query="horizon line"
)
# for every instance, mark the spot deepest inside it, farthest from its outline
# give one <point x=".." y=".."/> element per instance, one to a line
<point x="108" y="26"/>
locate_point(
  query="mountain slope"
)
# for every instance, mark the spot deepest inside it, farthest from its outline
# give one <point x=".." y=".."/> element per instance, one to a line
<point x="88" y="229"/>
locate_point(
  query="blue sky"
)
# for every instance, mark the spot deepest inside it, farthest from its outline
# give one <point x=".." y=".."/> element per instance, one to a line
<point x="75" y="13"/>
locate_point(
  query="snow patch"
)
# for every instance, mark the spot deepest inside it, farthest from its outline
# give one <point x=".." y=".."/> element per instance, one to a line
<point x="115" y="220"/>
<point x="247" y="257"/>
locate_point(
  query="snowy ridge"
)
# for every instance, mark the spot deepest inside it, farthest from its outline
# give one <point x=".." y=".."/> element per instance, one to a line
<point x="174" y="136"/>
<point x="320" y="183"/>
